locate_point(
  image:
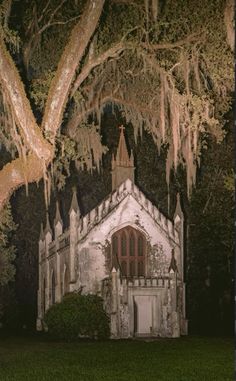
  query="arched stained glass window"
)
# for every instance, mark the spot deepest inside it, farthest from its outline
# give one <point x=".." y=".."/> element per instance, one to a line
<point x="115" y="244"/>
<point x="129" y="251"/>
<point x="131" y="244"/>
<point x="123" y="245"/>
<point x="140" y="269"/>
<point x="140" y="246"/>
<point x="132" y="268"/>
<point x="66" y="281"/>
<point x="124" y="268"/>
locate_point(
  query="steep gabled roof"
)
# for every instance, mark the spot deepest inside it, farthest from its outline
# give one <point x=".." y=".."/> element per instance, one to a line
<point x="122" y="156"/>
<point x="98" y="214"/>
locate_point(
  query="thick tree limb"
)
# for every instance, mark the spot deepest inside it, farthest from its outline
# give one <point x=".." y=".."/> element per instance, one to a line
<point x="113" y="52"/>
<point x="17" y="173"/>
<point x="21" y="171"/>
<point x="13" y="88"/>
<point x="34" y="30"/>
<point x="230" y="23"/>
<point x="78" y="118"/>
<point x="73" y="53"/>
<point x="171" y="45"/>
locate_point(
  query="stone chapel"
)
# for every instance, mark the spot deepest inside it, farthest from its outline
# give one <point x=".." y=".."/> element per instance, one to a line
<point x="124" y="250"/>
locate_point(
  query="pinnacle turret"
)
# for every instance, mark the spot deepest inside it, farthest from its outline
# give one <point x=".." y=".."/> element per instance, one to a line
<point x="48" y="226"/>
<point x="122" y="165"/>
<point x="122" y="156"/>
<point x="58" y="215"/>
<point x="178" y="209"/>
<point x="74" y="202"/>
<point x="41" y="237"/>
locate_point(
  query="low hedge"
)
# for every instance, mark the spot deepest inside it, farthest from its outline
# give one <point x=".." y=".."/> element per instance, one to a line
<point x="78" y="316"/>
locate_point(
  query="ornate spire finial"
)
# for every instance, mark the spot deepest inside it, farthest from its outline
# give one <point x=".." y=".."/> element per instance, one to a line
<point x="178" y="209"/>
<point x="173" y="264"/>
<point x="122" y="156"/>
<point x="58" y="215"/>
<point x="41" y="237"/>
<point x="74" y="202"/>
<point x="132" y="157"/>
<point x="48" y="226"/>
<point x="122" y="165"/>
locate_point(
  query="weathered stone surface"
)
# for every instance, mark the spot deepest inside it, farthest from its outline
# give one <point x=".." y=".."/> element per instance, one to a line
<point x="83" y="259"/>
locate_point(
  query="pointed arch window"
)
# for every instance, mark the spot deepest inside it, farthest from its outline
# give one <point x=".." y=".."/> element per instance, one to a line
<point x="53" y="288"/>
<point x="140" y="246"/>
<point x="44" y="296"/>
<point x="132" y="244"/>
<point x="123" y="245"/>
<point x="132" y="271"/>
<point x="115" y="245"/>
<point x="124" y="268"/>
<point x="140" y="268"/>
<point x="129" y="251"/>
<point x="66" y="281"/>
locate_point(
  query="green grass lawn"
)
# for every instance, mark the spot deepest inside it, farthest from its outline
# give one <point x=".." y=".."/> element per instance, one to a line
<point x="184" y="359"/>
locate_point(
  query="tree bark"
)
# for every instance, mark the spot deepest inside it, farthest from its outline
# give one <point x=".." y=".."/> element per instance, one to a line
<point x="17" y="173"/>
<point x="113" y="52"/>
<point x="13" y="88"/>
<point x="31" y="169"/>
<point x="73" y="53"/>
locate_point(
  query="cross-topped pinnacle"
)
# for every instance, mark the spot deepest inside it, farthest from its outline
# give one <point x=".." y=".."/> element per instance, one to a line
<point x="122" y="128"/>
<point x="122" y="156"/>
<point x="122" y="164"/>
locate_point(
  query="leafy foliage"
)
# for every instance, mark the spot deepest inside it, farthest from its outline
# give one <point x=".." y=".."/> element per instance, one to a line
<point x="9" y="35"/>
<point x="167" y="66"/>
<point x="78" y="315"/>
<point x="169" y="70"/>
<point x="10" y="316"/>
<point x="211" y="244"/>
<point x="229" y="181"/>
<point x="7" y="250"/>
<point x="210" y="233"/>
<point x="28" y="212"/>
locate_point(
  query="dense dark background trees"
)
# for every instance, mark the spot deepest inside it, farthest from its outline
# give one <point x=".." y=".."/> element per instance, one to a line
<point x="168" y="66"/>
<point x="209" y="223"/>
<point x="210" y="256"/>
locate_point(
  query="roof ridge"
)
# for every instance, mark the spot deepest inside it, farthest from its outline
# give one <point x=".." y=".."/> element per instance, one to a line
<point x="112" y="200"/>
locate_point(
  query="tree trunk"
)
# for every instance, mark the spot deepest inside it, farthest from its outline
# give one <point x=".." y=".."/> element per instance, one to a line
<point x="73" y="53"/>
<point x="31" y="169"/>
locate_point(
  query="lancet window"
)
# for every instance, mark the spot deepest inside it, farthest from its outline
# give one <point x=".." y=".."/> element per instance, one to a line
<point x="129" y="251"/>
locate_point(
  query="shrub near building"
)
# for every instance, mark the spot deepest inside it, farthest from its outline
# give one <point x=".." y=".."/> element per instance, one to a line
<point x="78" y="316"/>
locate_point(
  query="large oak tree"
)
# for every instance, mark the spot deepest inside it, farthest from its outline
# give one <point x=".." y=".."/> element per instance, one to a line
<point x="167" y="65"/>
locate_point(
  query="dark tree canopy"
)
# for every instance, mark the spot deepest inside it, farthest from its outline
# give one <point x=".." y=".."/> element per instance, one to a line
<point x="168" y="66"/>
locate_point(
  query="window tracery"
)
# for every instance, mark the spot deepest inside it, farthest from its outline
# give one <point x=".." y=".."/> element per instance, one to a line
<point x="128" y="251"/>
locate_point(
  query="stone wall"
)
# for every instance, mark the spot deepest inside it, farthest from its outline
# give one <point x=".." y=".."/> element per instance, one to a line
<point x="81" y="259"/>
<point x="143" y="306"/>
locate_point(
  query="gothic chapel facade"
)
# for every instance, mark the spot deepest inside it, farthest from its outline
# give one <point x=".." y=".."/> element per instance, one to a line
<point x="124" y="250"/>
